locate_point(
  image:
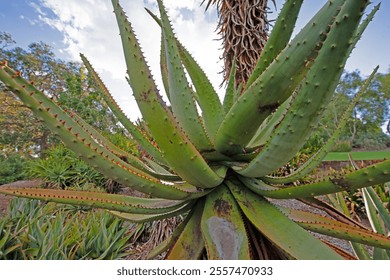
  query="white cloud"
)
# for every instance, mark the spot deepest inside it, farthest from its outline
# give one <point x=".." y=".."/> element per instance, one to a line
<point x="89" y="27"/>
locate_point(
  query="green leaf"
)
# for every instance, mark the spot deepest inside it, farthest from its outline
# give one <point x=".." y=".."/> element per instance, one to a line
<point x="279" y="37"/>
<point x="317" y="158"/>
<point x="280" y="230"/>
<point x="275" y="84"/>
<point x="313" y="95"/>
<point x="365" y="177"/>
<point x="78" y="140"/>
<point x="188" y="164"/>
<point x="143" y="218"/>
<point x="115" y="202"/>
<point x="134" y="130"/>
<point x="223" y="229"/>
<point x="189" y="245"/>
<point x="327" y="226"/>
<point x="206" y="96"/>
<point x="230" y="90"/>
<point x="181" y="98"/>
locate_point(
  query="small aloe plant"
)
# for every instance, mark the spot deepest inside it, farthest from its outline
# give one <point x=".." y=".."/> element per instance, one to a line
<point x="215" y="165"/>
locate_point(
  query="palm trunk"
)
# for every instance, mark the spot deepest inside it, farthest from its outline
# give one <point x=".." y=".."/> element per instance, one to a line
<point x="243" y="27"/>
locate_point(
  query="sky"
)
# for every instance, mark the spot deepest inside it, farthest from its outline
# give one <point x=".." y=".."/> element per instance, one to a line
<point x="89" y="27"/>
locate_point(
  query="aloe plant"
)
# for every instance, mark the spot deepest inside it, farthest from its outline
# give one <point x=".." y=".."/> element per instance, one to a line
<point x="34" y="230"/>
<point x="214" y="165"/>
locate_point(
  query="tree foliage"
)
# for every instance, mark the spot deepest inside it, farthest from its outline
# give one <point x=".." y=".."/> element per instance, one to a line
<point x="65" y="82"/>
<point x="364" y="129"/>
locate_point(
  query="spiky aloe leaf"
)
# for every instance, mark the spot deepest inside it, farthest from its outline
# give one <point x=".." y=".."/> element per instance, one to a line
<point x="377" y="204"/>
<point x="182" y="101"/>
<point x="223" y="228"/>
<point x="160" y="172"/>
<point x="279" y="38"/>
<point x="170" y="241"/>
<point x="376" y="223"/>
<point x="163" y="66"/>
<point x="275" y="84"/>
<point x="344" y="232"/>
<point x="230" y="89"/>
<point x="132" y="160"/>
<point x="321" y="224"/>
<point x="115" y="202"/>
<point x="85" y="147"/>
<point x="104" y="141"/>
<point x="269" y="125"/>
<point x="189" y="245"/>
<point x="365" y="177"/>
<point x="315" y="92"/>
<point x="317" y="158"/>
<point x="284" y="233"/>
<point x="188" y="164"/>
<point x="375" y="214"/>
<point x="338" y="201"/>
<point x="206" y="96"/>
<point x="135" y="131"/>
<point x="143" y="218"/>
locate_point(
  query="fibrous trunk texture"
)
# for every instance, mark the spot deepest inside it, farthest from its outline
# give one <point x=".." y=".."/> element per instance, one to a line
<point x="243" y="27"/>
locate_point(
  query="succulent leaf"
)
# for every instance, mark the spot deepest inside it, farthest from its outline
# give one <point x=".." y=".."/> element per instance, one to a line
<point x="230" y="89"/>
<point x="189" y="245"/>
<point x="143" y="218"/>
<point x="81" y="142"/>
<point x="316" y="159"/>
<point x="315" y="91"/>
<point x="182" y="101"/>
<point x="135" y="131"/>
<point x="115" y="202"/>
<point x="189" y="163"/>
<point x="279" y="38"/>
<point x="283" y="232"/>
<point x="272" y="87"/>
<point x="270" y="124"/>
<point x="365" y="177"/>
<point x="223" y="230"/>
<point x="321" y="224"/>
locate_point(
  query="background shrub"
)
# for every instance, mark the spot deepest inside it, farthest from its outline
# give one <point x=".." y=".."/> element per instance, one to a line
<point x="12" y="168"/>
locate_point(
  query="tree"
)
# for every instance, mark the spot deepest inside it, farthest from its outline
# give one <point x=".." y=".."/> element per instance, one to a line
<point x="385" y="88"/>
<point x="243" y="26"/>
<point x="369" y="115"/>
<point x="22" y="132"/>
<point x="39" y="65"/>
<point x="81" y="97"/>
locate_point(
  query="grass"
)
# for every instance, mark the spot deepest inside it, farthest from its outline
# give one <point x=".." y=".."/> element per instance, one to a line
<point x="367" y="155"/>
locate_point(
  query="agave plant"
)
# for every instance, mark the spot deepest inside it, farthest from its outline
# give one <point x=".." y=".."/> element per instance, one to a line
<point x="214" y="165"/>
